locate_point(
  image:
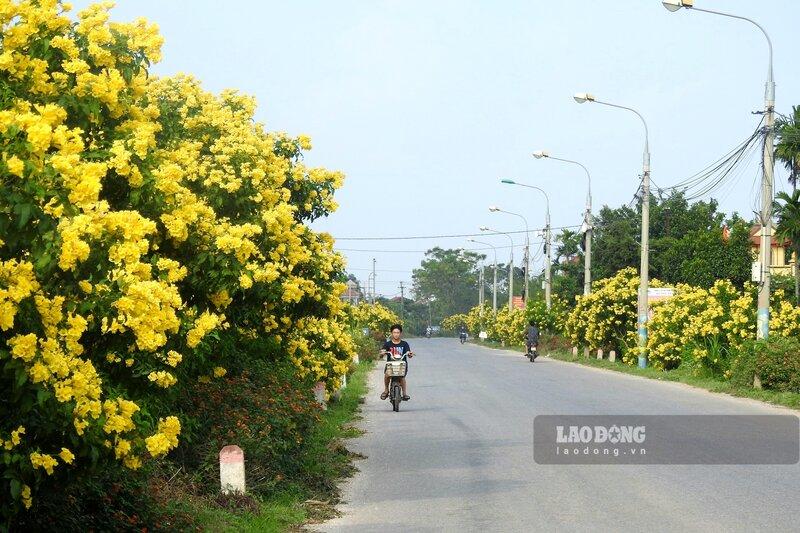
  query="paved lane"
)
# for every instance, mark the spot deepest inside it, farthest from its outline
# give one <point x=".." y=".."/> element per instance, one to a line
<point x="458" y="456"/>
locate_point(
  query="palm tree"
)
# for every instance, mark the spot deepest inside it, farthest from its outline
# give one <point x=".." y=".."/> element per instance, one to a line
<point x="788" y="148"/>
<point x="787" y="210"/>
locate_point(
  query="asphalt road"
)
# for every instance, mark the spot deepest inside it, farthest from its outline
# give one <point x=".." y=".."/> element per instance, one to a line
<point x="458" y="456"/>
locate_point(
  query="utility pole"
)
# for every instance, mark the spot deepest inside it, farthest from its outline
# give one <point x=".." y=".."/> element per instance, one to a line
<point x="511" y="280"/>
<point x="402" y="304"/>
<point x="547" y="278"/>
<point x="527" y="262"/>
<point x="480" y="289"/>
<point x="373" y="281"/>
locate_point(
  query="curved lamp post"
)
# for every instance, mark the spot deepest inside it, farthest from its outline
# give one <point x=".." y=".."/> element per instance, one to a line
<point x="767" y="181"/>
<point x="494" y="284"/>
<point x="510" y="265"/>
<point x="645" y="255"/>
<point x="526" y="255"/>
<point x="547" y="278"/>
<point x="587" y="258"/>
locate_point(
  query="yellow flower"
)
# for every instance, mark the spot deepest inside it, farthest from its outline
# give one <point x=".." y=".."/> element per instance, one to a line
<point x="162" y="378"/>
<point x="66" y="456"/>
<point x="27" y="501"/>
<point x="42" y="460"/>
<point x="219" y="372"/>
<point x="15" y="165"/>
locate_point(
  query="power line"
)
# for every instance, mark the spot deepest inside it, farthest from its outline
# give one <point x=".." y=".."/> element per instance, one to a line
<point x="429" y="249"/>
<point x="459" y="236"/>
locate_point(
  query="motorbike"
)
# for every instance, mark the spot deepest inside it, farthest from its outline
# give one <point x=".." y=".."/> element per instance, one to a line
<point x="428" y="333"/>
<point x="533" y="352"/>
<point x="463" y="337"/>
<point x="395" y="370"/>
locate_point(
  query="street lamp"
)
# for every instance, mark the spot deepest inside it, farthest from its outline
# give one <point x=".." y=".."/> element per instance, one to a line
<point x="494" y="284"/>
<point x="587" y="258"/>
<point x="547" y="278"/>
<point x="510" y="265"/>
<point x="645" y="255"/>
<point x="767" y="181"/>
<point x="526" y="255"/>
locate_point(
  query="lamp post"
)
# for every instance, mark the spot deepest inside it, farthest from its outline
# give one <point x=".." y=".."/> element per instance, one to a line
<point x="526" y="258"/>
<point x="510" y="265"/>
<point x="494" y="283"/>
<point x="767" y="180"/>
<point x="547" y="277"/>
<point x="587" y="258"/>
<point x="645" y="255"/>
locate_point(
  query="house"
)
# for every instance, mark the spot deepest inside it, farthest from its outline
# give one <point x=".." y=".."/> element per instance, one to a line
<point x="782" y="256"/>
<point x="352" y="293"/>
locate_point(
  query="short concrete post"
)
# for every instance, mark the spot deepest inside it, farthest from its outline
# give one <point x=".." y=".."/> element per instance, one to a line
<point x="756" y="382"/>
<point x="319" y="394"/>
<point x="338" y="394"/>
<point x="574" y="351"/>
<point x="356" y="359"/>
<point x="599" y="353"/>
<point x="612" y="356"/>
<point x="231" y="470"/>
<point x="586" y="352"/>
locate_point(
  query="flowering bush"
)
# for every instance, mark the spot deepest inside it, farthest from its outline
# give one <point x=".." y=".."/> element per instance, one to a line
<point x="453" y="322"/>
<point x="604" y="318"/>
<point x="375" y="317"/>
<point x="140" y="219"/>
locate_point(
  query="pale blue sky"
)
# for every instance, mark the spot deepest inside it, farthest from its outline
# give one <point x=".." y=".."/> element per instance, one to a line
<point x="426" y="104"/>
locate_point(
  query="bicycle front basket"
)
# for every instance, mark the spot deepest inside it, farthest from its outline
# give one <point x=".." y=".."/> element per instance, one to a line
<point x="395" y="368"/>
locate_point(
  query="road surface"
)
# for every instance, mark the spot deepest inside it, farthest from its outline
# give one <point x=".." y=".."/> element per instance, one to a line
<point x="458" y="456"/>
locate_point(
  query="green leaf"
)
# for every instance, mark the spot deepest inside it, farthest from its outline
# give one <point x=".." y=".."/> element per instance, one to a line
<point x="16" y="489"/>
<point x="24" y="212"/>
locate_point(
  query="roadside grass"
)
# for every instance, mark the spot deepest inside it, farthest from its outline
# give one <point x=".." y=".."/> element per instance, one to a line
<point x="679" y="375"/>
<point x="326" y="460"/>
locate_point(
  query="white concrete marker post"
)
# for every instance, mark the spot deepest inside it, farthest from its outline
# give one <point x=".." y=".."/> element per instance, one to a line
<point x="612" y="356"/>
<point x="586" y="352"/>
<point x="574" y="351"/>
<point x="338" y="394"/>
<point x="231" y="470"/>
<point x="599" y="353"/>
<point x="319" y="394"/>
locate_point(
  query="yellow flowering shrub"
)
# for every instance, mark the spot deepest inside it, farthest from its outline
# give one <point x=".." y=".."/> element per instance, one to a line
<point x="375" y="317"/>
<point x="453" y="322"/>
<point x="604" y="318"/>
<point x="143" y="220"/>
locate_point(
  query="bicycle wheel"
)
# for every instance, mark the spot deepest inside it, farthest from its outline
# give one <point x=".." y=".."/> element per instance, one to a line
<point x="397" y="397"/>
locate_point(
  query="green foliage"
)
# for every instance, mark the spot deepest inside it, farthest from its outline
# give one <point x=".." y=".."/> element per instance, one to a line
<point x="448" y="278"/>
<point x="686" y="243"/>
<point x="787" y="149"/>
<point x="787" y="211"/>
<point x="775" y="361"/>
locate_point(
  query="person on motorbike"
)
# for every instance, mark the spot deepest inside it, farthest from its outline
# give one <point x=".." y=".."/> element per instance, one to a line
<point x="396" y="349"/>
<point x="462" y="333"/>
<point x="531" y="337"/>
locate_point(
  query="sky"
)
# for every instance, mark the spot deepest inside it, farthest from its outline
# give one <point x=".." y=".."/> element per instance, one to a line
<point x="425" y="105"/>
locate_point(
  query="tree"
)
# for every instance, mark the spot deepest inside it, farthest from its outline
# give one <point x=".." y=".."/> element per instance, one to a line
<point x="448" y="278"/>
<point x="787" y="149"/>
<point x="787" y="211"/>
<point x="686" y="242"/>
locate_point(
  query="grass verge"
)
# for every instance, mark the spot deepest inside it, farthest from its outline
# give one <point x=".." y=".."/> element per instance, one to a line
<point x="326" y="461"/>
<point x="680" y="375"/>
